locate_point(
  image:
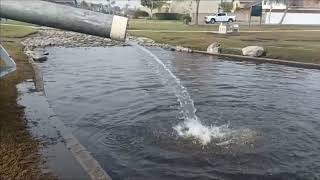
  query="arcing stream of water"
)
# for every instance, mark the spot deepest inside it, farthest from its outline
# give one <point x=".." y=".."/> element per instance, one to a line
<point x="191" y="127"/>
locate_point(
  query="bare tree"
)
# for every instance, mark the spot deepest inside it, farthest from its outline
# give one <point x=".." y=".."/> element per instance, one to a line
<point x="109" y="5"/>
<point x="84" y="5"/>
<point x="285" y="12"/>
<point x="286" y="2"/>
<point x="151" y="4"/>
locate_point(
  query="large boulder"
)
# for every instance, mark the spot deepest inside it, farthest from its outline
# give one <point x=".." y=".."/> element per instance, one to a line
<point x="38" y="55"/>
<point x="253" y="51"/>
<point x="214" y="48"/>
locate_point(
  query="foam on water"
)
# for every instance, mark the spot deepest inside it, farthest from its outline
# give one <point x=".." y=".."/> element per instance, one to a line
<point x="191" y="127"/>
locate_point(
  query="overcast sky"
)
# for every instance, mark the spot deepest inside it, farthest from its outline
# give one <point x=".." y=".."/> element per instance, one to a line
<point x="121" y="3"/>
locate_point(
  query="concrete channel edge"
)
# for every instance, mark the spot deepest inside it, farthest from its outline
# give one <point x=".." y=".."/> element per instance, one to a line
<point x="263" y="60"/>
<point x="89" y="164"/>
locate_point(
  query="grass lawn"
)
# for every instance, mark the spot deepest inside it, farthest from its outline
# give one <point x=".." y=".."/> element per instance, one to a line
<point x="7" y="31"/>
<point x="143" y="24"/>
<point x="19" y="152"/>
<point x="9" y="21"/>
<point x="295" y="46"/>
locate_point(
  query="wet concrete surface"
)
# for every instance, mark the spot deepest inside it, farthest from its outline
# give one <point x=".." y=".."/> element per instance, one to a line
<point x="56" y="156"/>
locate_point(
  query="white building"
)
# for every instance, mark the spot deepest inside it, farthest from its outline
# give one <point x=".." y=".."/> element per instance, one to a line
<point x="294" y="12"/>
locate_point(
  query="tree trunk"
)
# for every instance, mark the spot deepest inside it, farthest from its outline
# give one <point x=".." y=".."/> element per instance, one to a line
<point x="151" y="8"/>
<point x="270" y="13"/>
<point x="75" y="3"/>
<point x="197" y="11"/>
<point x="284" y="13"/>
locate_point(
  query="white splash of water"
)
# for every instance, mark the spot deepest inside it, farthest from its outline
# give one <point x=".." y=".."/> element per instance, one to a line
<point x="192" y="127"/>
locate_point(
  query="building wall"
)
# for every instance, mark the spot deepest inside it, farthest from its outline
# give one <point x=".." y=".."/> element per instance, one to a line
<point x="267" y="5"/>
<point x="293" y="18"/>
<point x="183" y="7"/>
<point x="240" y="4"/>
<point x="311" y="3"/>
<point x="242" y="14"/>
<point x="206" y="7"/>
<point x="189" y="6"/>
<point x="296" y="3"/>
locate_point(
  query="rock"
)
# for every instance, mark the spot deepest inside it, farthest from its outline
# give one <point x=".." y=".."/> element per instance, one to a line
<point x="214" y="48"/>
<point x="253" y="51"/>
<point x="167" y="46"/>
<point x="41" y="51"/>
<point x="172" y="49"/>
<point x="37" y="55"/>
<point x="183" y="49"/>
<point x="145" y="40"/>
<point x="52" y="37"/>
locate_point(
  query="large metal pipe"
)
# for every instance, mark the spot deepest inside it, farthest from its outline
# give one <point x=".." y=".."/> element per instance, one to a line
<point x="65" y="17"/>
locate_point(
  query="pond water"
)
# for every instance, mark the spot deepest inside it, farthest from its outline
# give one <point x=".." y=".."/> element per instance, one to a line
<point x="248" y="121"/>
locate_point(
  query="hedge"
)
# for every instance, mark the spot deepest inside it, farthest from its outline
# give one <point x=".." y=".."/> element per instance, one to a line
<point x="139" y="13"/>
<point x="168" y="16"/>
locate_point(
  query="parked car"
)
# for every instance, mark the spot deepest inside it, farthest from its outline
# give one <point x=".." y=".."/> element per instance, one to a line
<point x="220" y="17"/>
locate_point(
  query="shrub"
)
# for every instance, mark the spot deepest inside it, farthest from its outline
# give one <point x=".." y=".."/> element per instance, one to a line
<point x="167" y="16"/>
<point x="226" y="6"/>
<point x="140" y="13"/>
<point x="186" y="18"/>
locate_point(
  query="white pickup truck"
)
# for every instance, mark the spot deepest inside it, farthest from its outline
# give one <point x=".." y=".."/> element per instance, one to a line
<point x="220" y="17"/>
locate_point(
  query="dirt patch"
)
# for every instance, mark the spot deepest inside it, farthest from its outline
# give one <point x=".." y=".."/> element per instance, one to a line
<point x="1" y="63"/>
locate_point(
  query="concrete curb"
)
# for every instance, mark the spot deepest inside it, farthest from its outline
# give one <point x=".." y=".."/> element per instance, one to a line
<point x="89" y="164"/>
<point x="242" y="58"/>
<point x="263" y="60"/>
<point x="37" y="73"/>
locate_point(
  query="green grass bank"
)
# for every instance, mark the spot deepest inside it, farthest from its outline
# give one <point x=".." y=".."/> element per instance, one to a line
<point x="286" y="42"/>
<point x="19" y="151"/>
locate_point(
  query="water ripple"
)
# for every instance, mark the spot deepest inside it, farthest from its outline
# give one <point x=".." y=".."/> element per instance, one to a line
<point x="122" y="112"/>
